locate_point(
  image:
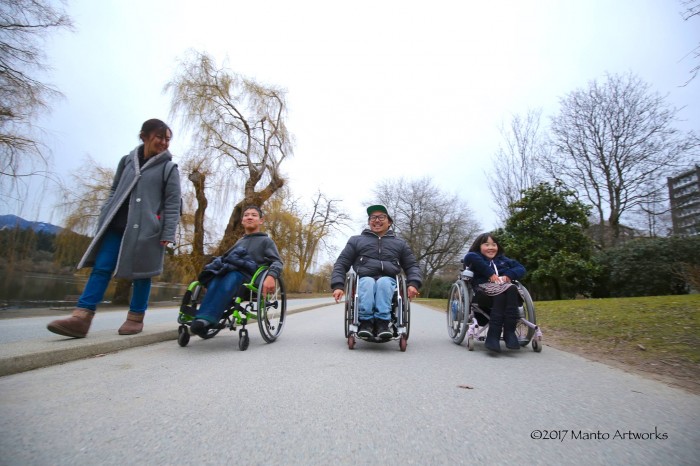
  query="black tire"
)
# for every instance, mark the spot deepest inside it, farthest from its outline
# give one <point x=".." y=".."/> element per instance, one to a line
<point x="350" y="290"/>
<point x="522" y="331"/>
<point x="183" y="336"/>
<point x="243" y="339"/>
<point x="272" y="310"/>
<point x="406" y="306"/>
<point x="190" y="303"/>
<point x="458" y="304"/>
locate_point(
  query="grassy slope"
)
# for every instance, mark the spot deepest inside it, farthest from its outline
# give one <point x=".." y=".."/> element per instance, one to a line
<point x="658" y="334"/>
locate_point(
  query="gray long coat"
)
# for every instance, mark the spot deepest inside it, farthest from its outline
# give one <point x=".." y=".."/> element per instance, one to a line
<point x="154" y="212"/>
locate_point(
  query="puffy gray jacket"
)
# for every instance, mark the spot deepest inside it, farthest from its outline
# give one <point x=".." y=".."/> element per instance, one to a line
<point x="154" y="211"/>
<point x="374" y="256"/>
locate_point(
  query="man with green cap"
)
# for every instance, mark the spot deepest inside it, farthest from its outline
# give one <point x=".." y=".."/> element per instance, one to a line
<point x="377" y="256"/>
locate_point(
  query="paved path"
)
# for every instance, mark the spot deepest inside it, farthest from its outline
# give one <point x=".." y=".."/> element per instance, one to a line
<point x="25" y="344"/>
<point x="308" y="400"/>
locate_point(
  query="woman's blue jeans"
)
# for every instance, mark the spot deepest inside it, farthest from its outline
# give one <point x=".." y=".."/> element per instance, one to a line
<point x="105" y="263"/>
<point x="220" y="291"/>
<point x="375" y="297"/>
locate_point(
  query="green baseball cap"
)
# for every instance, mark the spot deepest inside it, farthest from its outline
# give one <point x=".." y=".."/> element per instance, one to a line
<point x="379" y="208"/>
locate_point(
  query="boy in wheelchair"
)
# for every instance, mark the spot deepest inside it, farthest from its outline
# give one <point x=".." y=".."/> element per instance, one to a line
<point x="493" y="277"/>
<point x="225" y="274"/>
<point x="377" y="256"/>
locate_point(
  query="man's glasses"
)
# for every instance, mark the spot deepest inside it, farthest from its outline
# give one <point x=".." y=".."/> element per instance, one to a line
<point x="377" y="217"/>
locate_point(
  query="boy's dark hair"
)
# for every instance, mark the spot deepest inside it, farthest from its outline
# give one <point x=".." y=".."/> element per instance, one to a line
<point x="483" y="238"/>
<point x="254" y="207"/>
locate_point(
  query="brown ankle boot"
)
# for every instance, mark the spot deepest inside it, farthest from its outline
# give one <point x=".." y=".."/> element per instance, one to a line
<point x="77" y="325"/>
<point x="133" y="324"/>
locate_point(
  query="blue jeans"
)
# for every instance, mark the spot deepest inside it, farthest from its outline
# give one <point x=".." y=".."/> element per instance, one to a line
<point x="375" y="297"/>
<point x="105" y="263"/>
<point x="220" y="291"/>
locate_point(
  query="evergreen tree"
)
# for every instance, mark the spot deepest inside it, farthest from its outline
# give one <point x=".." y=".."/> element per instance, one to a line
<point x="546" y="233"/>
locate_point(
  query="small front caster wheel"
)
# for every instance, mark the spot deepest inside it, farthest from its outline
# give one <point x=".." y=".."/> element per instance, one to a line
<point x="351" y="341"/>
<point x="243" y="339"/>
<point x="183" y="336"/>
<point x="536" y="345"/>
<point x="470" y="343"/>
<point x="403" y="341"/>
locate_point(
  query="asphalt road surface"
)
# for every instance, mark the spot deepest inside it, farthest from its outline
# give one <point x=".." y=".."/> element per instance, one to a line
<point x="307" y="399"/>
<point x="31" y="328"/>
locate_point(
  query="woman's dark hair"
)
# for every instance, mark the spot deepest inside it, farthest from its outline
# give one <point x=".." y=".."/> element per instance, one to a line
<point x="254" y="207"/>
<point x="483" y="238"/>
<point x="154" y="125"/>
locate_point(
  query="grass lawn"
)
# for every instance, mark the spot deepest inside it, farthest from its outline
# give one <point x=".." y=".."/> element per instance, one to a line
<point x="656" y="334"/>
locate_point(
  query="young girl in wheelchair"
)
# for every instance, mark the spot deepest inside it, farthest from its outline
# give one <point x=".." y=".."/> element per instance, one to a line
<point x="494" y="274"/>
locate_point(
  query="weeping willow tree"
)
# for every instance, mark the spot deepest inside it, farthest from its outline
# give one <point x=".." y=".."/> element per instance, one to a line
<point x="81" y="202"/>
<point x="239" y="137"/>
<point x="302" y="233"/>
<point x="25" y="26"/>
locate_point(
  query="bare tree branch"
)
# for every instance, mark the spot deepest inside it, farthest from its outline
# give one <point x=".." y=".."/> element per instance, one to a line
<point x="239" y="126"/>
<point x="24" y="26"/>
<point x="615" y="143"/>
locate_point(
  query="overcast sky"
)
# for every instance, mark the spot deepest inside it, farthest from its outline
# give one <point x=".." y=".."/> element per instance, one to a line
<point x="376" y="89"/>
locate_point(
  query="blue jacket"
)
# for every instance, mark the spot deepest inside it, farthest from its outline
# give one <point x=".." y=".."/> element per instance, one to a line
<point x="483" y="269"/>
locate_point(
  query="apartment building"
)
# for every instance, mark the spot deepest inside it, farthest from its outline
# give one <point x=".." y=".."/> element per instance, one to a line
<point x="684" y="195"/>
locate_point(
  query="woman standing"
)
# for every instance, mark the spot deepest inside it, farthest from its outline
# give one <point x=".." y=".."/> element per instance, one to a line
<point x="136" y="223"/>
<point x="493" y="276"/>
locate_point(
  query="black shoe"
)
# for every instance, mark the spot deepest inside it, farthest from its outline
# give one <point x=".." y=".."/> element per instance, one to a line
<point x="383" y="332"/>
<point x="511" y="340"/>
<point x="509" y="326"/>
<point x="366" y="329"/>
<point x="493" y="344"/>
<point x="493" y="339"/>
<point x="200" y="327"/>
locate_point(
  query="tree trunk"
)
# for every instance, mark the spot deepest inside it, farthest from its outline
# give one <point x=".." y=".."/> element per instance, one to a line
<point x="197" y="178"/>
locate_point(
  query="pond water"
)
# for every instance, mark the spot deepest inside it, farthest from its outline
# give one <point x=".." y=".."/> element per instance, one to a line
<point x="27" y="289"/>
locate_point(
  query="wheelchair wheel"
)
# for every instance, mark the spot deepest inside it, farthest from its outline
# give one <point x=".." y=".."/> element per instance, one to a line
<point x="183" y="335"/>
<point x="272" y="310"/>
<point x="522" y="331"/>
<point x="405" y="309"/>
<point x="190" y="302"/>
<point x="470" y="343"/>
<point x="458" y="311"/>
<point x="243" y="339"/>
<point x="350" y="291"/>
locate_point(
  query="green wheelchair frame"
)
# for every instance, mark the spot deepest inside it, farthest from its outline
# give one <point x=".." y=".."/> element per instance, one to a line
<point x="269" y="311"/>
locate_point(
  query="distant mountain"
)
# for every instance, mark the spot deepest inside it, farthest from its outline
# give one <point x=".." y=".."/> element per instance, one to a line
<point x="13" y="221"/>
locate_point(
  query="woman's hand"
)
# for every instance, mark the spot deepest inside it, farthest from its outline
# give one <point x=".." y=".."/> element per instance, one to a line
<point x="496" y="279"/>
